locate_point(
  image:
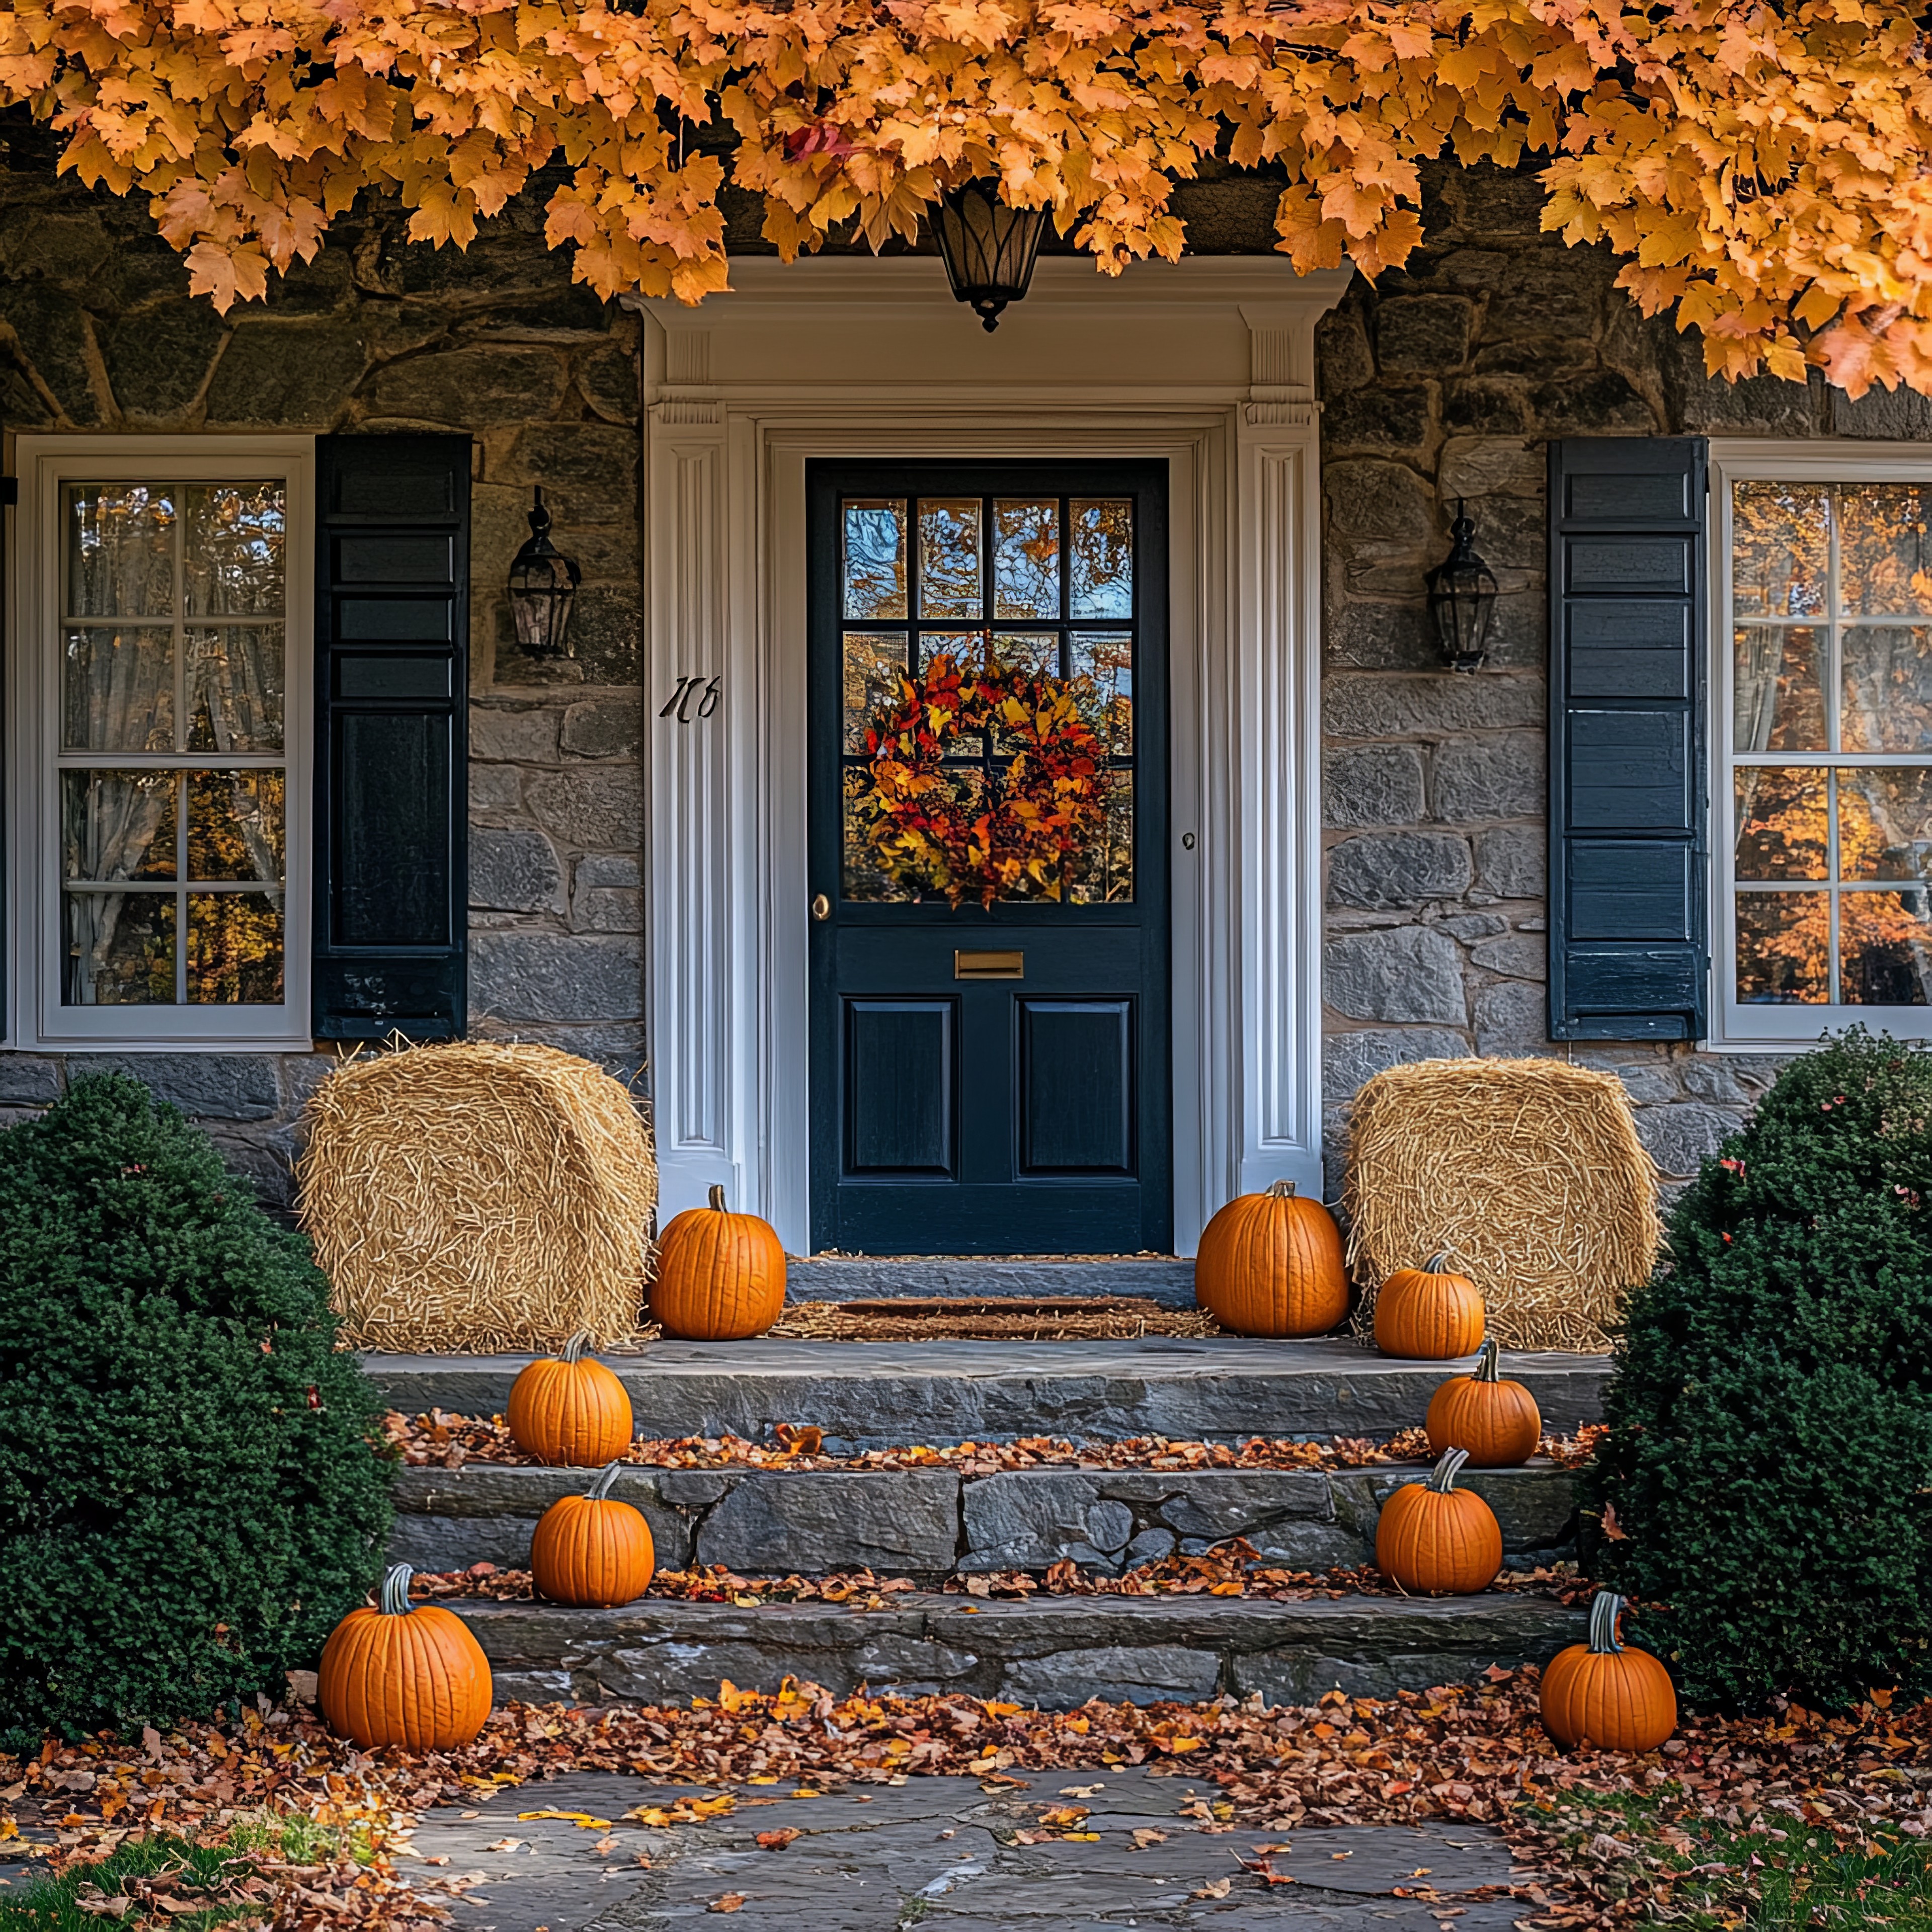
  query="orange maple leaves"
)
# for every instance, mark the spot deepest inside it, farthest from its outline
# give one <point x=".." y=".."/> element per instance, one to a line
<point x="1760" y="167"/>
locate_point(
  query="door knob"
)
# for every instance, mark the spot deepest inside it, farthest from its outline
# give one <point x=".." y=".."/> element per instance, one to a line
<point x="821" y="906"/>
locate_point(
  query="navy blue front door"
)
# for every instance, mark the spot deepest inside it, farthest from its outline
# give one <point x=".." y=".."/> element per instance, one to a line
<point x="987" y="839"/>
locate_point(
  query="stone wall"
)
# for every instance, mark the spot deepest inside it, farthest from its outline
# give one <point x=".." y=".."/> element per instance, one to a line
<point x="98" y="334"/>
<point x="1441" y="382"/>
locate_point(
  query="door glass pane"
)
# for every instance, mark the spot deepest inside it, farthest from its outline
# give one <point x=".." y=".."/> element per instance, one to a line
<point x="1781" y="823"/>
<point x="875" y="663"/>
<point x="1036" y="651"/>
<point x="1885" y="824"/>
<point x="1885" y="950"/>
<point x="231" y="550"/>
<point x="1106" y="659"/>
<point x="235" y="825"/>
<point x="120" y="949"/>
<point x="1104" y="873"/>
<point x="1779" y="689"/>
<point x="117" y="690"/>
<point x="1884" y="702"/>
<point x="1102" y="534"/>
<point x="235" y="686"/>
<point x="1884" y="553"/>
<point x="875" y="557"/>
<point x="235" y="948"/>
<point x="120" y="550"/>
<point x="1784" y="944"/>
<point x="1026" y="558"/>
<point x="117" y="825"/>
<point x="949" y="557"/>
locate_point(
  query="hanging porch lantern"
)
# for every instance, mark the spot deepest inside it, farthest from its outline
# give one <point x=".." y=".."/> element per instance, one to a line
<point x="988" y="247"/>
<point x="543" y="587"/>
<point x="1462" y="598"/>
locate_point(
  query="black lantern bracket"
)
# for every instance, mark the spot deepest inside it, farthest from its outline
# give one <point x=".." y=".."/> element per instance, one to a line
<point x="543" y="588"/>
<point x="1462" y="598"/>
<point x="989" y="247"/>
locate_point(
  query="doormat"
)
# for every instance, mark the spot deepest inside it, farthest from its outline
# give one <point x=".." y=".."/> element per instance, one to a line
<point x="1120" y="1318"/>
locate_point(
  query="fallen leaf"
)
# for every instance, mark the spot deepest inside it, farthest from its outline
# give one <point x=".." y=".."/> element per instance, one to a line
<point x="728" y="1901"/>
<point x="1212" y="1888"/>
<point x="1144" y="1835"/>
<point x="776" y="1841"/>
<point x="582" y="1820"/>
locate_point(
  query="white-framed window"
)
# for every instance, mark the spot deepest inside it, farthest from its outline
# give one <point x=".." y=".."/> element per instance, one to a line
<point x="1821" y="758"/>
<point x="159" y="651"/>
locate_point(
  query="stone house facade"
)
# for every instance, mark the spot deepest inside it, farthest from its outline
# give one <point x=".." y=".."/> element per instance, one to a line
<point x="1441" y="385"/>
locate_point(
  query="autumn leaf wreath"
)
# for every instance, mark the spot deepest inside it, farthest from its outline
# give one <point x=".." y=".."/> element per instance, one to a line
<point x="936" y="828"/>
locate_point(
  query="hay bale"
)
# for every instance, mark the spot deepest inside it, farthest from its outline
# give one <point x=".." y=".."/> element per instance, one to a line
<point x="478" y="1197"/>
<point x="1529" y="1172"/>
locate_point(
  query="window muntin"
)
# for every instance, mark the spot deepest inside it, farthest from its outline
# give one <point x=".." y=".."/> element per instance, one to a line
<point x="1826" y="859"/>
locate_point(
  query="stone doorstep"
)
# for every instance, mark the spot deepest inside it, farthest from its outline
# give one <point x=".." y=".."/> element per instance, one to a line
<point x="1165" y="1280"/>
<point x="1053" y="1654"/>
<point x="929" y="1524"/>
<point x="885" y="1394"/>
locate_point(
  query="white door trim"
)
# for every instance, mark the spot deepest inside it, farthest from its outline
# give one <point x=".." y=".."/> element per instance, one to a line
<point x="1207" y="366"/>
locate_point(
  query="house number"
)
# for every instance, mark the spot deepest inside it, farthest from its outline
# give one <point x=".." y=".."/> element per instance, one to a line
<point x="693" y="698"/>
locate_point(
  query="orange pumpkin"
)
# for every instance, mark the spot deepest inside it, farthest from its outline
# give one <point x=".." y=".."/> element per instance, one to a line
<point x="1270" y="1264"/>
<point x="570" y="1411"/>
<point x="592" y="1551"/>
<point x="1600" y="1693"/>
<point x="721" y="1276"/>
<point x="1433" y="1537"/>
<point x="399" y="1676"/>
<point x="1429" y="1314"/>
<point x="1496" y="1420"/>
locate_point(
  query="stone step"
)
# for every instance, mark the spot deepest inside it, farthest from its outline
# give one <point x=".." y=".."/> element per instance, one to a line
<point x="1053" y="1654"/>
<point x="1163" y="1278"/>
<point x="891" y="1394"/>
<point x="930" y="1524"/>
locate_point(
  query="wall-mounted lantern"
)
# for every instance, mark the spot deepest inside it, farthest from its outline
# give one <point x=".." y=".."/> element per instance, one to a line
<point x="1462" y="598"/>
<point x="988" y="246"/>
<point x="543" y="587"/>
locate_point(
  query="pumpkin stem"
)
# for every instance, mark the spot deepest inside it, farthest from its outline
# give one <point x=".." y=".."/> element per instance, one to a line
<point x="600" y="1490"/>
<point x="575" y="1347"/>
<point x="1437" y="1264"/>
<point x="1488" y="1363"/>
<point x="1442" y="1477"/>
<point x="717" y="1200"/>
<point x="1605" y="1606"/>
<point x="395" y="1597"/>
<point x="1281" y="1190"/>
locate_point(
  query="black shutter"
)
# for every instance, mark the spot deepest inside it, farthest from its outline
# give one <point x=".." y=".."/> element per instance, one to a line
<point x="1628" y="949"/>
<point x="392" y="630"/>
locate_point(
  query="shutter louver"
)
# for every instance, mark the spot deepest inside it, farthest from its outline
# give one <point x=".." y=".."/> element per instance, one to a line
<point x="392" y="629"/>
<point x="1628" y="950"/>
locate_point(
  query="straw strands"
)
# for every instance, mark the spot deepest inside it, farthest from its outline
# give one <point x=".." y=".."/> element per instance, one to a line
<point x="1529" y="1172"/>
<point x="478" y="1197"/>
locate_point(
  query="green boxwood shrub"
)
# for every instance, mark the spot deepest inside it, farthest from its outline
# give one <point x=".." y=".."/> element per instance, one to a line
<point x="1770" y="1453"/>
<point x="190" y="1492"/>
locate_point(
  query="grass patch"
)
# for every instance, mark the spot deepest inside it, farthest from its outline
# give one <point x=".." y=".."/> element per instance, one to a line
<point x="1773" y="1873"/>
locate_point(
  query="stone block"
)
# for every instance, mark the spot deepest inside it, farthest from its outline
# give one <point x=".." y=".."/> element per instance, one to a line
<point x="600" y="806"/>
<point x="1598" y="405"/>
<point x="157" y="361"/>
<point x="1524" y="955"/>
<point x="1487" y="466"/>
<point x="1709" y="1079"/>
<point x="1382" y="871"/>
<point x="29" y="1080"/>
<point x="607" y="380"/>
<point x="618" y="869"/>
<point x="288" y="375"/>
<point x="1467" y="925"/>
<point x="1380" y="417"/>
<point x="1350" y="1059"/>
<point x="1371" y="499"/>
<point x="1439" y="705"/>
<point x="601" y="909"/>
<point x="607" y="622"/>
<point x="806" y="1521"/>
<point x="523" y="734"/>
<point x="1513" y="862"/>
<point x="1892" y="415"/>
<point x="1513" y="535"/>
<point x="1512" y="1019"/>
<point x="1342" y="356"/>
<point x="1372" y="784"/>
<point x="1761" y="405"/>
<point x="1027" y="1522"/>
<point x="476" y="387"/>
<point x="1408" y="973"/>
<point x="205" y="1086"/>
<point x="604" y="727"/>
<point x="549" y="975"/>
<point x="1648" y="1085"/>
<point x="1381" y="635"/>
<point x="497" y="789"/>
<point x="1150" y="1674"/>
<point x="1679" y="1138"/>
<point x="592" y="466"/>
<point x="1423" y="334"/>
<point x="514" y="868"/>
<point x="1489" y="406"/>
<point x="1498" y="200"/>
<point x="1474" y="778"/>
<point x="52" y="330"/>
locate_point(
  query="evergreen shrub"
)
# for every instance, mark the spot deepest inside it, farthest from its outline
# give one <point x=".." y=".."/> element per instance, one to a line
<point x="1769" y="1459"/>
<point x="191" y="1493"/>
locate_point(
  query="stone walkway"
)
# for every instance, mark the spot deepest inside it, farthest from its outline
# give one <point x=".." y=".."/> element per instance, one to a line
<point x="944" y="1854"/>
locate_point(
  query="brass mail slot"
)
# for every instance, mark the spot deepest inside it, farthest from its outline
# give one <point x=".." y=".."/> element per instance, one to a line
<point x="988" y="965"/>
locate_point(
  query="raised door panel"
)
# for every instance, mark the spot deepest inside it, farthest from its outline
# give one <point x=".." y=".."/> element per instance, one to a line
<point x="1076" y="1086"/>
<point x="901" y="1082"/>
